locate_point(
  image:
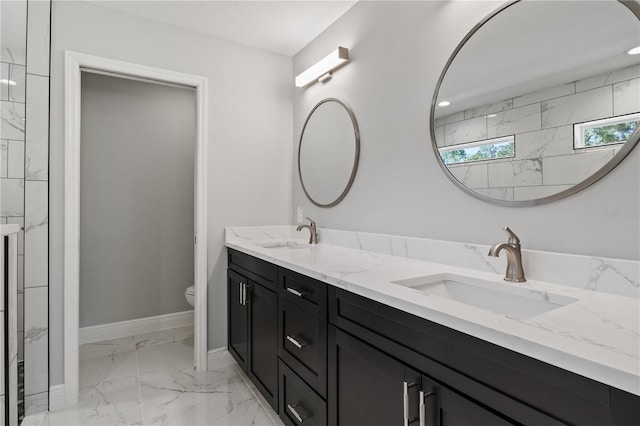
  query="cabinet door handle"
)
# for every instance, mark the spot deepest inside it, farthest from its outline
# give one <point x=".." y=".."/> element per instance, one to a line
<point x="423" y="416"/>
<point x="247" y="289"/>
<point x="244" y="294"/>
<point x="297" y="342"/>
<point x="422" y="419"/>
<point x="405" y="400"/>
<point x="295" y="292"/>
<point x="292" y="409"/>
<point x="240" y="287"/>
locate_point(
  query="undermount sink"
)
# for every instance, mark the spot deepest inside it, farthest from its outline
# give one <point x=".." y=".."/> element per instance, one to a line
<point x="290" y="245"/>
<point x="499" y="298"/>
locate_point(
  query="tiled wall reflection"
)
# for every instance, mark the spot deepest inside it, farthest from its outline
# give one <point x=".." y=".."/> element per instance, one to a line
<point x="24" y="174"/>
<point x="545" y="161"/>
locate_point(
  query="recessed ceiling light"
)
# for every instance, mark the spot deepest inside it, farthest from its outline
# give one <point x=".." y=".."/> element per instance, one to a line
<point x="8" y="82"/>
<point x="634" y="51"/>
<point x="444" y="103"/>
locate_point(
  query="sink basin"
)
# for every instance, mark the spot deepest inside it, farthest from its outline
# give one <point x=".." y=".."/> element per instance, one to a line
<point x="499" y="298"/>
<point x="285" y="245"/>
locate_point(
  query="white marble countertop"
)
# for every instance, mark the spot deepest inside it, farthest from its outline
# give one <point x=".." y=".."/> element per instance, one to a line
<point x="597" y="336"/>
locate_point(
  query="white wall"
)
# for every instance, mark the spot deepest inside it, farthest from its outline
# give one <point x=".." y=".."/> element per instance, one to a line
<point x="398" y="51"/>
<point x="250" y="139"/>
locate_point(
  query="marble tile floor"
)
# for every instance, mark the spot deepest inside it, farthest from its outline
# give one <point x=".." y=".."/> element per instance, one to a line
<point x="149" y="380"/>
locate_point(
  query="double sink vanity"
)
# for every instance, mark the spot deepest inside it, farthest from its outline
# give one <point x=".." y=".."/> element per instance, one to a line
<point x="342" y="336"/>
<point x="368" y="329"/>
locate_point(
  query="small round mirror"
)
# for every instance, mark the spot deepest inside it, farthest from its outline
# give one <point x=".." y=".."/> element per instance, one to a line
<point x="328" y="152"/>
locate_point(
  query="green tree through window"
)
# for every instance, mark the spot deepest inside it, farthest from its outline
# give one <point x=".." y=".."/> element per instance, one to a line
<point x="612" y="133"/>
<point x="487" y="151"/>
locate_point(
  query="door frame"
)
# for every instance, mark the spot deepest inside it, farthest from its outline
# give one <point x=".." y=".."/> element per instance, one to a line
<point x="75" y="64"/>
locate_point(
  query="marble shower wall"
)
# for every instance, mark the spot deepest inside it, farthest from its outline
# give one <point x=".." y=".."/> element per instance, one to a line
<point x="24" y="175"/>
<point x="545" y="161"/>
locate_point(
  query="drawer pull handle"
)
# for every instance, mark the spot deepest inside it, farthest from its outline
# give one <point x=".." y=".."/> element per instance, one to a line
<point x="297" y="342"/>
<point x="295" y="292"/>
<point x="292" y="409"/>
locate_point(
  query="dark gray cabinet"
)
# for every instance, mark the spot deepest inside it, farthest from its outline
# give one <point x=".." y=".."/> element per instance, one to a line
<point x="262" y="367"/>
<point x="370" y="387"/>
<point x="367" y="386"/>
<point x="329" y="356"/>
<point x="252" y="309"/>
<point x="302" y="337"/>
<point x="299" y="404"/>
<point x="302" y="328"/>
<point x="441" y="406"/>
<point x="238" y="318"/>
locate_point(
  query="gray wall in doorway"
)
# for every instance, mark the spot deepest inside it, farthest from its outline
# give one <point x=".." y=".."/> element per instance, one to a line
<point x="136" y="198"/>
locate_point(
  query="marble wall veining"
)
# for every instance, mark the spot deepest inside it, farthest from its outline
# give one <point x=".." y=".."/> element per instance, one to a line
<point x="546" y="161"/>
<point x="615" y="276"/>
<point x="24" y="175"/>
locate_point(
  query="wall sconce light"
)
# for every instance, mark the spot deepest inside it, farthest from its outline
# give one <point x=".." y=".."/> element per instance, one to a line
<point x="321" y="70"/>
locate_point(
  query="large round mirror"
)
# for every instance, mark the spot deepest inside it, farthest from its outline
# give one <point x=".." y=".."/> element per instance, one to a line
<point x="328" y="153"/>
<point x="540" y="100"/>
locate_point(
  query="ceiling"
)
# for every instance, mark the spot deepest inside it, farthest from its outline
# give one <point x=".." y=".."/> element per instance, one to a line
<point x="283" y="27"/>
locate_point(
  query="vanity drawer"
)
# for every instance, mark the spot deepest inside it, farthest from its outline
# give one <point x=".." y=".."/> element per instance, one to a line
<point x="299" y="404"/>
<point x="257" y="270"/>
<point x="304" y="291"/>
<point x="303" y="344"/>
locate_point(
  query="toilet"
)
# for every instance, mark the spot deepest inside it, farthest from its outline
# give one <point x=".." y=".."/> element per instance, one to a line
<point x="190" y="294"/>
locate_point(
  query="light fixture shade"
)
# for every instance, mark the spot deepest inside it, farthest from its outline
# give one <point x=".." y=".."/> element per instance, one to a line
<point x="331" y="62"/>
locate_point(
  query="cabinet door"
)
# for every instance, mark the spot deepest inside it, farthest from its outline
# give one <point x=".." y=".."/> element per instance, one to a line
<point x="441" y="406"/>
<point x="237" y="321"/>
<point x="263" y="341"/>
<point x="368" y="387"/>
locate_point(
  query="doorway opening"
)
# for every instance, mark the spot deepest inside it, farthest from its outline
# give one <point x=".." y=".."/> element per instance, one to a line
<point x="135" y="204"/>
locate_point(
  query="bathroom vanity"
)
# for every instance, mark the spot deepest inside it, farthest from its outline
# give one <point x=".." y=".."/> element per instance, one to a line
<point x="331" y="335"/>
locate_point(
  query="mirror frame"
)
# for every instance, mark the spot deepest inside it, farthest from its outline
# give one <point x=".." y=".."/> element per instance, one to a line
<point x="634" y="7"/>
<point x="356" y="158"/>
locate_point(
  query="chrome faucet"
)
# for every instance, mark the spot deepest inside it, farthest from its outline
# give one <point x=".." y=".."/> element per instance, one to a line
<point x="313" y="238"/>
<point x="514" y="272"/>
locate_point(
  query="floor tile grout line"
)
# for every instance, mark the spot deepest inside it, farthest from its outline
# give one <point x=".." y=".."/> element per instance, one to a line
<point x="139" y="386"/>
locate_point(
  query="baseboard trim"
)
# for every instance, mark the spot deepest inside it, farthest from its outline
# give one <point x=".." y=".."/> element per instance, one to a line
<point x="116" y="330"/>
<point x="217" y="351"/>
<point x="56" y="398"/>
<point x="219" y="357"/>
